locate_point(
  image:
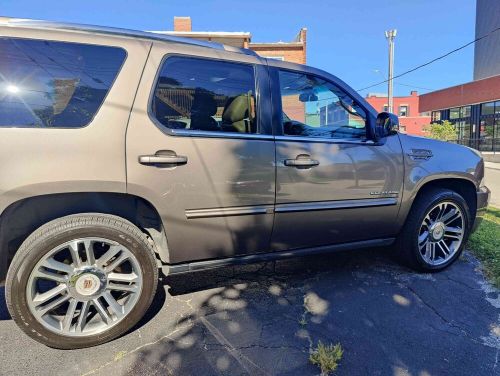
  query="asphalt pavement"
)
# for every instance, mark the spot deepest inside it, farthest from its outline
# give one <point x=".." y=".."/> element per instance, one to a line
<point x="262" y="320"/>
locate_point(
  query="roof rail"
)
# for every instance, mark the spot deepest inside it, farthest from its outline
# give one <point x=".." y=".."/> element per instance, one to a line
<point x="41" y="24"/>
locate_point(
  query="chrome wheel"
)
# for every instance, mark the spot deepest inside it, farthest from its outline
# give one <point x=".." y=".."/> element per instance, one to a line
<point x="441" y="233"/>
<point x="84" y="287"/>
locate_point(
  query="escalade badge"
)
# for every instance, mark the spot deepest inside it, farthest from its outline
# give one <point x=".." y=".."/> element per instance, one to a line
<point x="420" y="154"/>
<point x="384" y="193"/>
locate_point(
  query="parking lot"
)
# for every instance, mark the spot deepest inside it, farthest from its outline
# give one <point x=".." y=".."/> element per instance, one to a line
<point x="262" y="319"/>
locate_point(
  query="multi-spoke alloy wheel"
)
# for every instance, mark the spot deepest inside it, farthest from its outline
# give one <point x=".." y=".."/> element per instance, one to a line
<point x="441" y="233"/>
<point x="84" y="286"/>
<point x="436" y="229"/>
<point x="81" y="280"/>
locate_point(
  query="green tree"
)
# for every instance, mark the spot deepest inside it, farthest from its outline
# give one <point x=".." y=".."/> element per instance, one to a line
<point x="444" y="131"/>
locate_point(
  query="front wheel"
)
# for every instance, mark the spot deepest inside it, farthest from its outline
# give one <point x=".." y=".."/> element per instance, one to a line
<point x="81" y="280"/>
<point x="436" y="230"/>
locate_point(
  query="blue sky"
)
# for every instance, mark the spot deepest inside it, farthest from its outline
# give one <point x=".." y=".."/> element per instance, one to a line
<point x="345" y="38"/>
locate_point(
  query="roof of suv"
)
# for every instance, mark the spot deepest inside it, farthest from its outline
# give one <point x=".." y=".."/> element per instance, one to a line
<point x="50" y="25"/>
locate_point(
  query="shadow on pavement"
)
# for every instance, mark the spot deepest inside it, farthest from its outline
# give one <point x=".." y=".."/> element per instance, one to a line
<point x="4" y="313"/>
<point x="262" y="319"/>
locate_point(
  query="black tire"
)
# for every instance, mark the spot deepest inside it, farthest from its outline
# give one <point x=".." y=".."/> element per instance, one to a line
<point x="407" y="243"/>
<point x="58" y="232"/>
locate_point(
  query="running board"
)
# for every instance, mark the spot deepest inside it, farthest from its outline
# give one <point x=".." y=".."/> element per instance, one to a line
<point x="271" y="256"/>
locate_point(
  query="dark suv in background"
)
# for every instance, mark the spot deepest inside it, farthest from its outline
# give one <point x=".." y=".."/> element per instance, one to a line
<point x="126" y="152"/>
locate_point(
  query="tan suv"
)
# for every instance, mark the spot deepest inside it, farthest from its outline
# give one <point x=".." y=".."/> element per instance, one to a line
<point x="126" y="152"/>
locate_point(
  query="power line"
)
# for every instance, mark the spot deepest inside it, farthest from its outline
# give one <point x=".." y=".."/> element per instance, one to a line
<point x="403" y="84"/>
<point x="433" y="60"/>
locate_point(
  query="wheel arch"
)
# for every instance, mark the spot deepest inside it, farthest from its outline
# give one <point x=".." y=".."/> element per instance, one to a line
<point x="23" y="217"/>
<point x="461" y="185"/>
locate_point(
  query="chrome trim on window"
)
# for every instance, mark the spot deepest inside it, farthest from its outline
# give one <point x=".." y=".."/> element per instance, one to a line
<point x="332" y="205"/>
<point x="227" y="212"/>
<point x="210" y="134"/>
<point x="323" y="140"/>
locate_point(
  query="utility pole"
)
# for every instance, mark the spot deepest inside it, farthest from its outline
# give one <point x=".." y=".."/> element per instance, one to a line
<point x="390" y="35"/>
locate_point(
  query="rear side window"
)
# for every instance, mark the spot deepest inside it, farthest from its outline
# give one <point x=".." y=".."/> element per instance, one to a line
<point x="205" y="95"/>
<point x="54" y="84"/>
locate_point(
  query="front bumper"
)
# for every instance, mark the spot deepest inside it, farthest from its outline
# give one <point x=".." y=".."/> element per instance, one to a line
<point x="483" y="198"/>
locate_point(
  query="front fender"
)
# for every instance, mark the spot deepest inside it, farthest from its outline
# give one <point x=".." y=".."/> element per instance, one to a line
<point x="427" y="161"/>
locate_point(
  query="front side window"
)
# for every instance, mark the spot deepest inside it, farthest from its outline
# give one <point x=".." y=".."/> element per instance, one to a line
<point x="205" y="95"/>
<point x="54" y="84"/>
<point x="313" y="107"/>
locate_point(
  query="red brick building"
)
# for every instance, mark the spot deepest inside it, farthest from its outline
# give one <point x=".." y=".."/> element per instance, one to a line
<point x="294" y="51"/>
<point x="411" y="120"/>
<point x="474" y="107"/>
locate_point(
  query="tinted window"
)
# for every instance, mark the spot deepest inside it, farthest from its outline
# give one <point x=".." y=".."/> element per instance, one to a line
<point x="54" y="84"/>
<point x="313" y="107"/>
<point x="205" y="95"/>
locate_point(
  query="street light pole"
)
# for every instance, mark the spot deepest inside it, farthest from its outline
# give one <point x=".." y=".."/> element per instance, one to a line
<point x="390" y="35"/>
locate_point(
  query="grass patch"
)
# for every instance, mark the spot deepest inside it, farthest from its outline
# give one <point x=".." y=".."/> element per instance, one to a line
<point x="326" y="357"/>
<point x="485" y="244"/>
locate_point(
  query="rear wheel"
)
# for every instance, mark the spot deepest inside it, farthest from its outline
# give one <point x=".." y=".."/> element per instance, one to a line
<point x="436" y="230"/>
<point x="81" y="280"/>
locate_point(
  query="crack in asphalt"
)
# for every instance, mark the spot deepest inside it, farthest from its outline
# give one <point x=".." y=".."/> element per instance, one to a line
<point x="436" y="312"/>
<point x="290" y="291"/>
<point x="128" y="353"/>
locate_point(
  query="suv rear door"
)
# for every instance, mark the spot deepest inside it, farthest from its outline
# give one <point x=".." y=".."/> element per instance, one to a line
<point x="333" y="184"/>
<point x="200" y="149"/>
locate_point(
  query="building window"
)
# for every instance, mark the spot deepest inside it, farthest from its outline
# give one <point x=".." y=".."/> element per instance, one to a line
<point x="465" y="112"/>
<point x="463" y="129"/>
<point x="51" y="84"/>
<point x="435" y="116"/>
<point x="205" y="95"/>
<point x="385" y="108"/>
<point x="497" y="108"/>
<point x="403" y="110"/>
<point x="454" y="113"/>
<point x="488" y="108"/>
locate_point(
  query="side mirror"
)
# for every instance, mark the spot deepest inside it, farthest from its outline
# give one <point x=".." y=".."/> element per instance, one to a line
<point x="386" y="125"/>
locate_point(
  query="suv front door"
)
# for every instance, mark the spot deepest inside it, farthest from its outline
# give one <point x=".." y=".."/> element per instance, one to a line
<point x="200" y="149"/>
<point x="333" y="184"/>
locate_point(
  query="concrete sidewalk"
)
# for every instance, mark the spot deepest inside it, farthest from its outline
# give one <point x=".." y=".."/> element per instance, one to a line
<point x="492" y="179"/>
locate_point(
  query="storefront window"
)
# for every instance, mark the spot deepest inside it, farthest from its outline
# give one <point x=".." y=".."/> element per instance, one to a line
<point x="454" y="113"/>
<point x="435" y="116"/>
<point x="465" y="112"/>
<point x="487" y="127"/>
<point x="463" y="129"/>
<point x="488" y="108"/>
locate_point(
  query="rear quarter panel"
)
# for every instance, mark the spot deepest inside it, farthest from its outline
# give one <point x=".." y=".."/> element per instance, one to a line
<point x="39" y="161"/>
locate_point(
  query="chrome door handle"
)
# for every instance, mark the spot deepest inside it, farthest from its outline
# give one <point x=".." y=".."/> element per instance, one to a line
<point x="162" y="159"/>
<point x="302" y="161"/>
